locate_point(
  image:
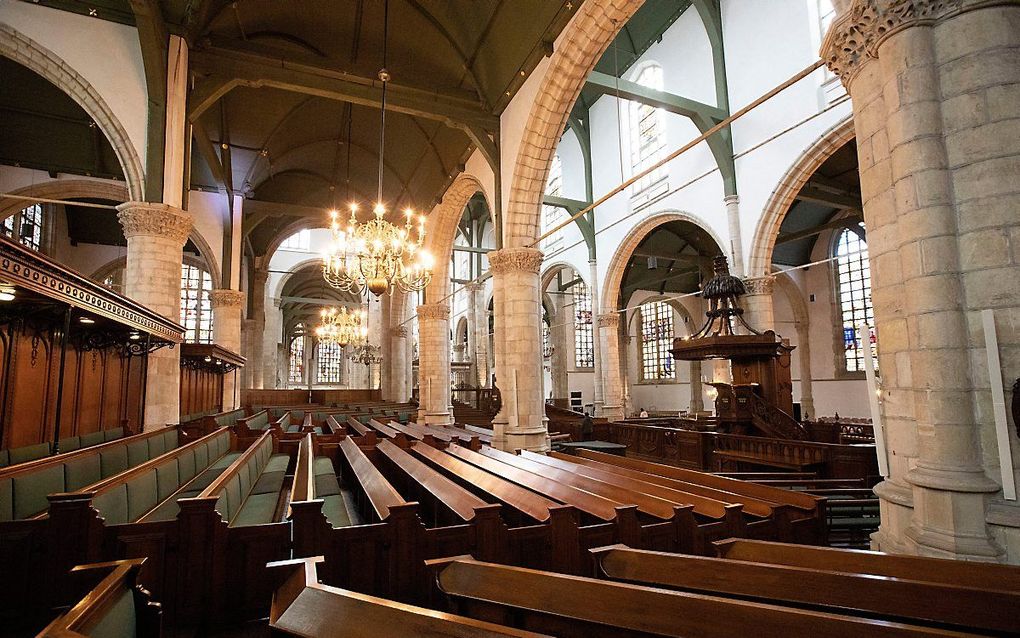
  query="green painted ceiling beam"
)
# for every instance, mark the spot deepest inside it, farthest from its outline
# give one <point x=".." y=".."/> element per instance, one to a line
<point x="627" y="90"/>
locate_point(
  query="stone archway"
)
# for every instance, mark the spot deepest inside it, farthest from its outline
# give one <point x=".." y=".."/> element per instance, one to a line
<point x="442" y="231"/>
<point x="32" y="55"/>
<point x="62" y="189"/>
<point x="583" y="42"/>
<point x="782" y="197"/>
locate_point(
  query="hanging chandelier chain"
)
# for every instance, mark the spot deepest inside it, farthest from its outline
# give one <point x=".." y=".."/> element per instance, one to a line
<point x="384" y="76"/>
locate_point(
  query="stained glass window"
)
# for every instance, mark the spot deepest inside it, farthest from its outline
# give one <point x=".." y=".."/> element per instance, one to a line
<point x="297" y="359"/>
<point x="647" y="131"/>
<point x="584" y="349"/>
<point x="854" y="296"/>
<point x="331" y="363"/>
<point x="26" y="226"/>
<point x="196" y="310"/>
<point x="656" y="341"/>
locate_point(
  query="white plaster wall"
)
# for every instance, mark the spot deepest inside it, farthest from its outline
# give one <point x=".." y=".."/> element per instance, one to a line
<point x="104" y="53"/>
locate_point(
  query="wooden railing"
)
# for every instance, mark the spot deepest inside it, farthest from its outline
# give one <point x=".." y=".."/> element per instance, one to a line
<point x="773" y="421"/>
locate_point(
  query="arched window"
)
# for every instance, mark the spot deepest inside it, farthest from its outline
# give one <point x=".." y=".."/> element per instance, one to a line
<point x="656" y="341"/>
<point x="584" y="349"/>
<point x="547" y="347"/>
<point x="26" y="226"/>
<point x="196" y="311"/>
<point x="331" y="363"/>
<point x="297" y="357"/>
<point x="826" y="14"/>
<point x="553" y="215"/>
<point x="853" y="289"/>
<point x="299" y="241"/>
<point x="647" y="132"/>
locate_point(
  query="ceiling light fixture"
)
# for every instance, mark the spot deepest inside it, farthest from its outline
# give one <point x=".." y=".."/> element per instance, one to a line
<point x="86" y="320"/>
<point x="341" y="327"/>
<point x="378" y="255"/>
<point x="6" y="293"/>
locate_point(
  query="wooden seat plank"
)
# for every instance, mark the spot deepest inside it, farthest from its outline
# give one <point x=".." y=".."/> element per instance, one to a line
<point x="704" y="506"/>
<point x="589" y="607"/>
<point x="381" y="428"/>
<point x="763" y="492"/>
<point x="508" y="493"/>
<point x="962" y="573"/>
<point x="646" y="503"/>
<point x="906" y="600"/>
<point x="753" y="506"/>
<point x="459" y="500"/>
<point x="380" y="493"/>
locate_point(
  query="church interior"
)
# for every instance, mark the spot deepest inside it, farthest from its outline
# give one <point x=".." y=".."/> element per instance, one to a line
<point x="564" y="318"/>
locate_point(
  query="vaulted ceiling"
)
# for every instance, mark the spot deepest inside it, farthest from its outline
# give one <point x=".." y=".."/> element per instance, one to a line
<point x="676" y="257"/>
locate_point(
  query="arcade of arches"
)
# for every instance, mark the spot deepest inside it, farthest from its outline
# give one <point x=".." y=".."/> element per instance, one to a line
<point x="871" y="210"/>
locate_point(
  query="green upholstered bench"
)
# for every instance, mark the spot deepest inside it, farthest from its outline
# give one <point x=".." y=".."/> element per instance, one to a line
<point x="67" y="444"/>
<point x="256" y="422"/>
<point x="116" y="606"/>
<point x="315" y="480"/>
<point x="228" y="419"/>
<point x="249" y="492"/>
<point x="24" y="489"/>
<point x="327" y="488"/>
<point x="150" y="492"/>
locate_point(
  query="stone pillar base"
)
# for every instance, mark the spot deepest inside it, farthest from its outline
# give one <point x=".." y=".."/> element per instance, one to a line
<point x="613" y="412"/>
<point x="533" y="440"/>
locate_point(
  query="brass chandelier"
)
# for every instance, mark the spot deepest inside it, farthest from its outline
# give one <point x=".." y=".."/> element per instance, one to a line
<point x="341" y="327"/>
<point x="377" y="255"/>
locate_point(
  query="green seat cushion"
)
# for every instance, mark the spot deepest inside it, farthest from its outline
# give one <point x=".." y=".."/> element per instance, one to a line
<point x="30" y="490"/>
<point x="113" y="433"/>
<point x="186" y="465"/>
<point x="225" y="460"/>
<point x="141" y="495"/>
<point x="166" y="511"/>
<point x="293" y="428"/>
<point x="112" y="505"/>
<point x="70" y="444"/>
<point x="29" y="453"/>
<point x="168" y="479"/>
<point x="322" y="465"/>
<point x="137" y="452"/>
<point x="335" y="511"/>
<point x="157" y="446"/>
<point x="202" y="457"/>
<point x="6" y="500"/>
<point x="257" y="510"/>
<point x="119" y="620"/>
<point x="82" y="471"/>
<point x="114" y="460"/>
<point x="206" y="477"/>
<point x="326" y="485"/>
<point x="278" y="463"/>
<point x="269" y="482"/>
<point x="93" y="438"/>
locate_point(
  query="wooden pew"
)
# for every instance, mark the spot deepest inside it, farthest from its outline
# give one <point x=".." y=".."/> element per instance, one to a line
<point x="370" y="535"/>
<point x="807" y="511"/>
<point x="229" y="531"/>
<point x="935" y="570"/>
<point x="116" y="606"/>
<point x="895" y="599"/>
<point x="572" y="606"/>
<point x="302" y="607"/>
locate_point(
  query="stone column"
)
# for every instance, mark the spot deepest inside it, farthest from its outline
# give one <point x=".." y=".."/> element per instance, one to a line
<point x="697" y="395"/>
<point x="598" y="381"/>
<point x="807" y="401"/>
<point x="515" y="273"/>
<point x="258" y="306"/>
<point x="226" y="306"/>
<point x="558" y="360"/>
<point x="434" y="363"/>
<point x="155" y="237"/>
<point x="272" y="338"/>
<point x="478" y="324"/>
<point x="385" y="349"/>
<point x="609" y="335"/>
<point x="736" y="251"/>
<point x="934" y="88"/>
<point x="758" y="309"/>
<point x="401" y="363"/>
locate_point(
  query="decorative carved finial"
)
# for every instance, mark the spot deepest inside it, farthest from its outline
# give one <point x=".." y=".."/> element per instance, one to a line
<point x="723" y="292"/>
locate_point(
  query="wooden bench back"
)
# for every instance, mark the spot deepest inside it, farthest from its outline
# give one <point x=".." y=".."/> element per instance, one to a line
<point x="377" y="489"/>
<point x="893" y="598"/>
<point x="767" y="493"/>
<point x="961" y="573"/>
<point x="598" y="506"/>
<point x="457" y="499"/>
<point x="303" y="607"/>
<point x="521" y="499"/>
<point x="303" y="487"/>
<point x="577" y="606"/>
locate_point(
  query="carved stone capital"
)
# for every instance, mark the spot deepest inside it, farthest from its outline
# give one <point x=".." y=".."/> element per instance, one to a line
<point x="433" y="312"/>
<point x="760" y="285"/>
<point x="609" y="320"/>
<point x="510" y="260"/>
<point x="226" y="298"/>
<point x="855" y="36"/>
<point x="154" y="220"/>
<point x="399" y="332"/>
